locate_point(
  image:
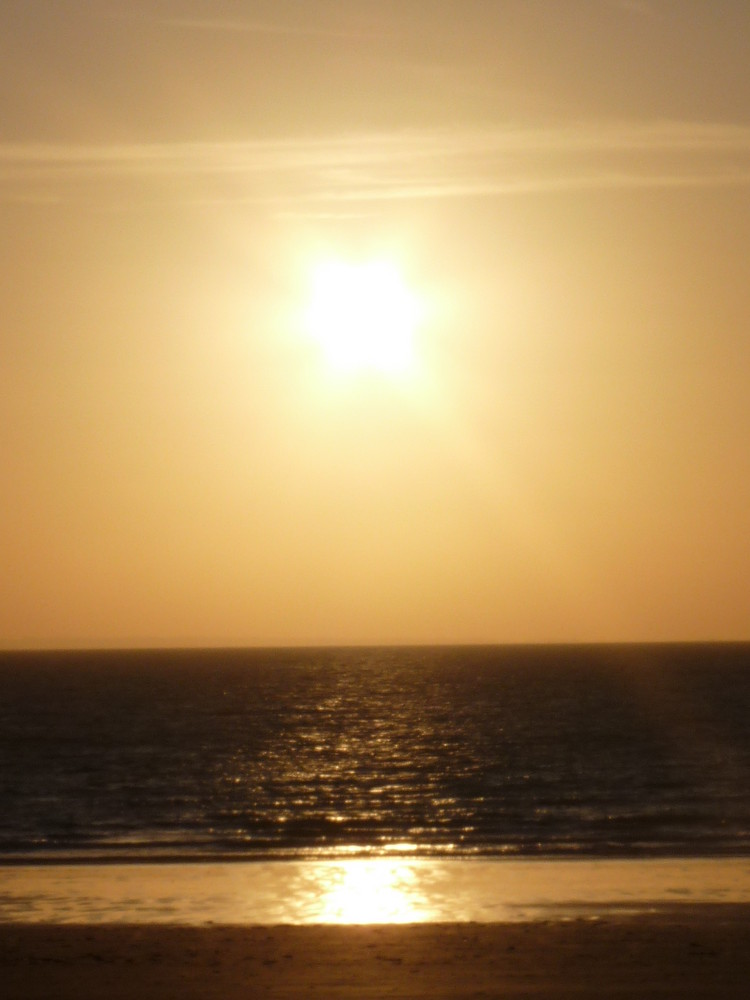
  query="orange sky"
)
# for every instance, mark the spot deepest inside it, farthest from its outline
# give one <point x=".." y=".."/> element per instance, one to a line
<point x="565" y="187"/>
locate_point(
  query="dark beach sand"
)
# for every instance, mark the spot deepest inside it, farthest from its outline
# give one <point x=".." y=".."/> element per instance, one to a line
<point x="691" y="951"/>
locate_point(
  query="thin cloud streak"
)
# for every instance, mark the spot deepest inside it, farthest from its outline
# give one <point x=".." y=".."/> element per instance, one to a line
<point x="639" y="8"/>
<point x="237" y="25"/>
<point x="255" y="27"/>
<point x="397" y="165"/>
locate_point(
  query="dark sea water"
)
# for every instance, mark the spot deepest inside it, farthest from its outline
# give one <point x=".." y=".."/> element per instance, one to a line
<point x="525" y="751"/>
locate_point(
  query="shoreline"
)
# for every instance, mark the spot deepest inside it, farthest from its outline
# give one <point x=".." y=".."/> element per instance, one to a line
<point x="176" y="857"/>
<point x="693" y="950"/>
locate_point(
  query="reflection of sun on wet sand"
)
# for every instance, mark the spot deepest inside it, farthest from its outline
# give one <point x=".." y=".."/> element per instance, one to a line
<point x="396" y="927"/>
<point x="371" y="892"/>
<point x="363" y="890"/>
<point x="696" y="952"/>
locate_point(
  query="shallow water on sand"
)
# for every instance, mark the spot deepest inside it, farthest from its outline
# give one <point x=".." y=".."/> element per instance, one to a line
<point x="363" y="891"/>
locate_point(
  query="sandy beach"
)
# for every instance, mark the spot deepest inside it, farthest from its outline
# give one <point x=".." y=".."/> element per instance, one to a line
<point x="382" y="928"/>
<point x="689" y="951"/>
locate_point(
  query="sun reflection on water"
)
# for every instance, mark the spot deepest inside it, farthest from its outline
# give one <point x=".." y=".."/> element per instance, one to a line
<point x="380" y="891"/>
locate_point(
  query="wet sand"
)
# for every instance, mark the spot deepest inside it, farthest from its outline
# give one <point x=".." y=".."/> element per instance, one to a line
<point x="362" y="891"/>
<point x="696" y="951"/>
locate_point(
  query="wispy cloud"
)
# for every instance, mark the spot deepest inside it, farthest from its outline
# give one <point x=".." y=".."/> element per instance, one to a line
<point x="641" y="8"/>
<point x="256" y="27"/>
<point x="235" y="25"/>
<point x="433" y="164"/>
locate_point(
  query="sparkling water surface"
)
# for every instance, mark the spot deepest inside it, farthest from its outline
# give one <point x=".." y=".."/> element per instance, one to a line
<point x="571" y="751"/>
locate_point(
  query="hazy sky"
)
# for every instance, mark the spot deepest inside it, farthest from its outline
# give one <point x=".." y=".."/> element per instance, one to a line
<point x="565" y="188"/>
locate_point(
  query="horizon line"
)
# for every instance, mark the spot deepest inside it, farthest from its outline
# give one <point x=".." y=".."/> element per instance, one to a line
<point x="292" y="646"/>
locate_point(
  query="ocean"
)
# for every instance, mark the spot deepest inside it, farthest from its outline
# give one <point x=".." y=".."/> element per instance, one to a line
<point x="623" y="751"/>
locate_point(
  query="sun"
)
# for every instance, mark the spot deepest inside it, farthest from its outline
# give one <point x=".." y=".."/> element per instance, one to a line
<point x="363" y="316"/>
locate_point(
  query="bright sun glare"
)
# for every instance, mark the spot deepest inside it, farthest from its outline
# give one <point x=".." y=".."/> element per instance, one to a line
<point x="379" y="891"/>
<point x="363" y="316"/>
